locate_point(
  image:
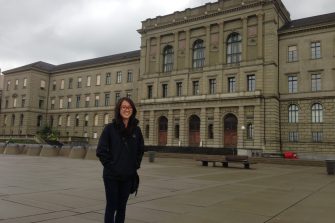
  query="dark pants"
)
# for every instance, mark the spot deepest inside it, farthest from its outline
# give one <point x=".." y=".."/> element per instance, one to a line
<point x="117" y="194"/>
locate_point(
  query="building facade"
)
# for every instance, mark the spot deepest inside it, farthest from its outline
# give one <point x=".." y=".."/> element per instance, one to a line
<point x="228" y="74"/>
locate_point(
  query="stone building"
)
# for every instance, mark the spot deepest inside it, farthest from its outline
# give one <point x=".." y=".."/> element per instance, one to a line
<point x="226" y="74"/>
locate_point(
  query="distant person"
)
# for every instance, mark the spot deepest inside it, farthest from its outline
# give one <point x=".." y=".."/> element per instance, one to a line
<point x="120" y="150"/>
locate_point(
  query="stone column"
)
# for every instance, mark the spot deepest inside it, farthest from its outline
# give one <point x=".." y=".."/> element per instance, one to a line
<point x="147" y="57"/>
<point x="245" y="39"/>
<point x="152" y="128"/>
<point x="170" y="128"/>
<point x="221" y="40"/>
<point x="240" y="131"/>
<point x="187" y="49"/>
<point x="158" y="54"/>
<point x="207" y="45"/>
<point x="216" y="127"/>
<point x="182" y="128"/>
<point x="260" y="36"/>
<point x="175" y="51"/>
<point x="203" y="126"/>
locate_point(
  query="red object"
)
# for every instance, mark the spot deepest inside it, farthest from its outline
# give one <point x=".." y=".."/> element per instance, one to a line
<point x="290" y="155"/>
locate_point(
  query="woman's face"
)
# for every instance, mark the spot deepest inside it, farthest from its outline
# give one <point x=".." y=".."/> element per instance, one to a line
<point x="126" y="110"/>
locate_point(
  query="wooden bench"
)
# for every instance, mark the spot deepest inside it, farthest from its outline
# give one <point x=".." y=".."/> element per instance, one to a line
<point x="225" y="160"/>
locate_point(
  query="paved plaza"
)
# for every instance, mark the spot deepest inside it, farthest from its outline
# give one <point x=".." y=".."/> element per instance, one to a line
<point x="64" y="190"/>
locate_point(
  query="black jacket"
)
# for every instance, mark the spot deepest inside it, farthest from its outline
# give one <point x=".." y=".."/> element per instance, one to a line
<point x="120" y="151"/>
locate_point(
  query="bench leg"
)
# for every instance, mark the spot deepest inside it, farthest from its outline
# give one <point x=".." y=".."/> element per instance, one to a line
<point x="214" y="164"/>
<point x="225" y="164"/>
<point x="205" y="163"/>
<point x="246" y="166"/>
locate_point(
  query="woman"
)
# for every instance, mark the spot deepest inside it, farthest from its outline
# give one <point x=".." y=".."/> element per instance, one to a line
<point x="120" y="151"/>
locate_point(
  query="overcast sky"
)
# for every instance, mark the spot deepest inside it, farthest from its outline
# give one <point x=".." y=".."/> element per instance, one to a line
<point x="62" y="31"/>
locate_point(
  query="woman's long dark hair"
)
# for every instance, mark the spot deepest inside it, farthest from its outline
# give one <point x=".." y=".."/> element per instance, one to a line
<point x="118" y="118"/>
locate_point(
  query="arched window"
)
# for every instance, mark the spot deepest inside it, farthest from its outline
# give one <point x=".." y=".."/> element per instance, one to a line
<point x="168" y="59"/>
<point x="77" y="120"/>
<point x="68" y="120"/>
<point x="106" y="119"/>
<point x="317" y="113"/>
<point x="39" y="120"/>
<point x="51" y="121"/>
<point x="13" y="120"/>
<point x="250" y="131"/>
<point x="96" y="120"/>
<point x="234" y="48"/>
<point x="198" y="54"/>
<point x="60" y="120"/>
<point x="293" y="114"/>
<point x="86" y="120"/>
<point x="21" y="119"/>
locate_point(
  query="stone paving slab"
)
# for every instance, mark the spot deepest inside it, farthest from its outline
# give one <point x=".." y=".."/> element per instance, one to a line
<point x="63" y="190"/>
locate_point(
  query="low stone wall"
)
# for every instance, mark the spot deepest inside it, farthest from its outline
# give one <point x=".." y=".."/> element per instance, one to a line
<point x="77" y="152"/>
<point x="48" y="150"/>
<point x="15" y="149"/>
<point x="65" y="151"/>
<point x="2" y="147"/>
<point x="91" y="153"/>
<point x="34" y="149"/>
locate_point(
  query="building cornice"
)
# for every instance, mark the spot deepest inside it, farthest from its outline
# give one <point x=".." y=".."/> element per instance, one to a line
<point x="306" y="29"/>
<point x="207" y="15"/>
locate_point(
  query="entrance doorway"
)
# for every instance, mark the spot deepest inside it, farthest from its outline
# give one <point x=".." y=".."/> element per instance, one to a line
<point x="162" y="130"/>
<point x="194" y="131"/>
<point x="230" y="131"/>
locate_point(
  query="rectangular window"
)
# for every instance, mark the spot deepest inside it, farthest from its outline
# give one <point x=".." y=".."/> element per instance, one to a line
<point x="14" y="102"/>
<point x="293" y="136"/>
<point x="316" y="82"/>
<point x="212" y="86"/>
<point x="41" y="103"/>
<point x="164" y="90"/>
<point x="117" y="97"/>
<point x="108" y="79"/>
<point x="176" y="131"/>
<point x="6" y="103"/>
<point x="23" y="101"/>
<point x="42" y="86"/>
<point x="210" y="131"/>
<point x="96" y="101"/>
<point x="70" y="83"/>
<point x="317" y="136"/>
<point x="54" y="83"/>
<point x="52" y="103"/>
<point x="316" y="50"/>
<point x="130" y="76"/>
<point x="69" y="100"/>
<point x="179" y="89"/>
<point x="8" y="85"/>
<point x="79" y="82"/>
<point x="24" y="82"/>
<point x="88" y="81"/>
<point x="62" y="84"/>
<point x="292" y="54"/>
<point x="16" y="84"/>
<point x="292" y="84"/>
<point x="251" y="79"/>
<point x="118" y="77"/>
<point x="98" y="79"/>
<point x="195" y="90"/>
<point x="107" y="99"/>
<point x="128" y="95"/>
<point x="87" y="101"/>
<point x="149" y="88"/>
<point x="231" y="84"/>
<point x="61" y="103"/>
<point x="77" y="101"/>
<point x="60" y="119"/>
